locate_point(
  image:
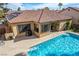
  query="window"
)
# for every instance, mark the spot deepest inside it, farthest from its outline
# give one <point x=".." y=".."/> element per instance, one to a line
<point x="45" y="27"/>
<point x="24" y="28"/>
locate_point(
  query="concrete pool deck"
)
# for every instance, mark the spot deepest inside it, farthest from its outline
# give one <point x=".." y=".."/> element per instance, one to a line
<point x="12" y="48"/>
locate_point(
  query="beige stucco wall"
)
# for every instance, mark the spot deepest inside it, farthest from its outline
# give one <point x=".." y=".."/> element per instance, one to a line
<point x="15" y="30"/>
<point x="32" y="27"/>
<point x="7" y="35"/>
<point x="73" y="13"/>
<point x="62" y="23"/>
<point x="38" y="34"/>
<point x="38" y="26"/>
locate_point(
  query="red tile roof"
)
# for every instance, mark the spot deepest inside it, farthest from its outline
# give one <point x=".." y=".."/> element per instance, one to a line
<point x="77" y="10"/>
<point x="52" y="15"/>
<point x="39" y="16"/>
<point x="28" y="15"/>
<point x="72" y="12"/>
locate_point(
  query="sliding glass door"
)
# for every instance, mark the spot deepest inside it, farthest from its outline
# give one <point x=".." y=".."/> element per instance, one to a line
<point x="24" y="28"/>
<point x="45" y="27"/>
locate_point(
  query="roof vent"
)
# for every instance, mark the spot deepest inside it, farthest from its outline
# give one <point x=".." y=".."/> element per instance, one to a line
<point x="68" y="9"/>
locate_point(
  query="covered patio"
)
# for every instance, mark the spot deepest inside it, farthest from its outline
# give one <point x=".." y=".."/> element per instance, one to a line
<point x="42" y="29"/>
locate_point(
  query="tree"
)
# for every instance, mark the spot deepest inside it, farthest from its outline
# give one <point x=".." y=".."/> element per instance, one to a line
<point x="1" y="13"/>
<point x="3" y="9"/>
<point x="60" y="5"/>
<point x="3" y="5"/>
<point x="38" y="9"/>
<point x="18" y="9"/>
<point x="46" y="8"/>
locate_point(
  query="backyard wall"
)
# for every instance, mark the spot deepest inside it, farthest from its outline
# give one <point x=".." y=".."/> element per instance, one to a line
<point x="7" y="35"/>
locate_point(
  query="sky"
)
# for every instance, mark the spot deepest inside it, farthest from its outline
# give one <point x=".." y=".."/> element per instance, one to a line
<point x="34" y="6"/>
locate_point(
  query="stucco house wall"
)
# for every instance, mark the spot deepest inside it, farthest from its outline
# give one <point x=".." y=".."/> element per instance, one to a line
<point x="62" y="24"/>
<point x="39" y="33"/>
<point x="15" y="30"/>
<point x="73" y="13"/>
<point x="7" y="35"/>
<point x="38" y="17"/>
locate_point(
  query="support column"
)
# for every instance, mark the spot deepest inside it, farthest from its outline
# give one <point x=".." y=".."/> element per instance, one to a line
<point x="15" y="31"/>
<point x="61" y="25"/>
<point x="70" y="23"/>
<point x="32" y="27"/>
<point x="50" y="28"/>
<point x="39" y="28"/>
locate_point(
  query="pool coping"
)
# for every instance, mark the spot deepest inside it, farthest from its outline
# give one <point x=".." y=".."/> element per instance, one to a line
<point x="72" y="32"/>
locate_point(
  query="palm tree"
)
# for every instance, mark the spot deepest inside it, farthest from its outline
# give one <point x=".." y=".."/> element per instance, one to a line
<point x="60" y="5"/>
<point x="19" y="9"/>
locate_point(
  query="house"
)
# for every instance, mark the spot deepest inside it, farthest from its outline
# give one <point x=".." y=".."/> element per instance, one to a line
<point x="36" y="22"/>
<point x="72" y="12"/>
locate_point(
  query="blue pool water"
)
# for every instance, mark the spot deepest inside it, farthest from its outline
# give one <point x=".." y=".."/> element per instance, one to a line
<point x="63" y="45"/>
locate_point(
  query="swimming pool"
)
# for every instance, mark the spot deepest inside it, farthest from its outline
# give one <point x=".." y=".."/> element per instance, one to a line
<point x="63" y="45"/>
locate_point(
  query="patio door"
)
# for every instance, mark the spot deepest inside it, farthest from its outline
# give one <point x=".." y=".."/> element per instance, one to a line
<point x="45" y="27"/>
<point x="25" y="28"/>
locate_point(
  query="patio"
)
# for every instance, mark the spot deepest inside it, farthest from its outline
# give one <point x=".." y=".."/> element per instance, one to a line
<point x="23" y="37"/>
<point x="12" y="48"/>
